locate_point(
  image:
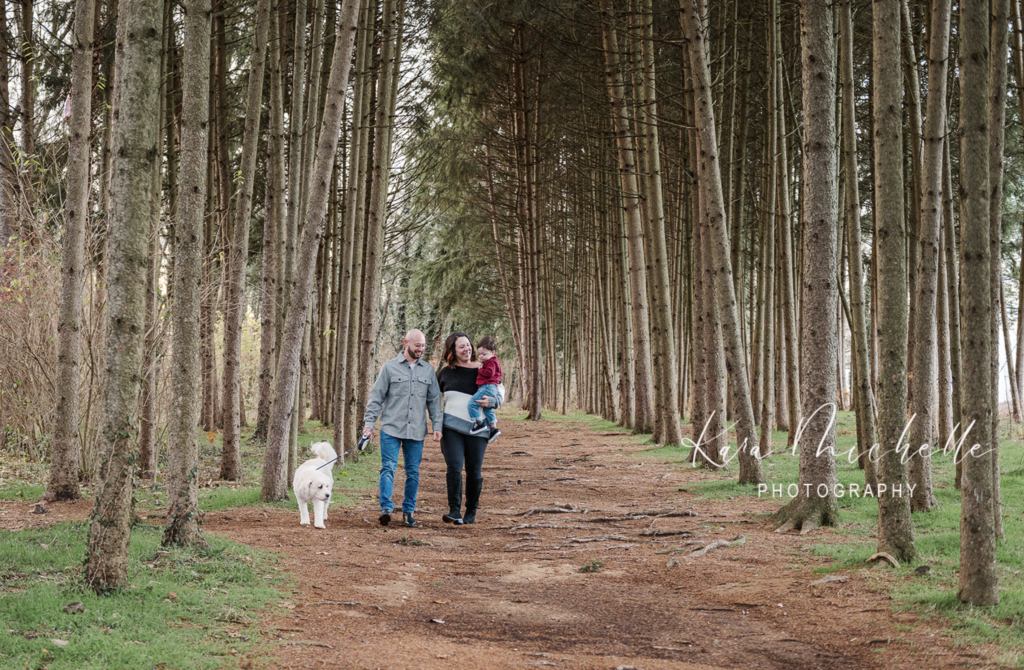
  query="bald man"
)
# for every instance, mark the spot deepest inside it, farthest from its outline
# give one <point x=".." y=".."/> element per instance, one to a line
<point x="405" y="390"/>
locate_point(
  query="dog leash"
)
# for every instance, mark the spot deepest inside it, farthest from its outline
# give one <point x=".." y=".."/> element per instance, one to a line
<point x="359" y="447"/>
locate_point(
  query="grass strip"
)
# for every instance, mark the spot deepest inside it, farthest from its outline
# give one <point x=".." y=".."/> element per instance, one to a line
<point x="194" y="608"/>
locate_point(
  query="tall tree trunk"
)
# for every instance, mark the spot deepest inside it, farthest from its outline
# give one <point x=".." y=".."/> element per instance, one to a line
<point x="1007" y="348"/>
<point x="997" y="141"/>
<point x="864" y="408"/>
<point x="354" y="413"/>
<point x="225" y="187"/>
<point x="768" y="254"/>
<point x="978" y="582"/>
<point x="135" y="150"/>
<point x="715" y="378"/>
<point x="668" y="404"/>
<point x="274" y="487"/>
<point x="147" y="412"/>
<point x="273" y="221"/>
<point x="789" y="297"/>
<point x="912" y="183"/>
<point x="953" y="289"/>
<point x="234" y="308"/>
<point x="293" y="225"/>
<point x="819" y="278"/>
<point x="183" y="447"/>
<point x="945" y="366"/>
<point x="8" y="180"/>
<point x="895" y="532"/>
<point x="208" y="301"/>
<point x="352" y="237"/>
<point x="929" y="222"/>
<point x="751" y="471"/>
<point x="27" y="112"/>
<point x="377" y="208"/>
<point x="1017" y="51"/>
<point x="65" y="454"/>
<point x="644" y="383"/>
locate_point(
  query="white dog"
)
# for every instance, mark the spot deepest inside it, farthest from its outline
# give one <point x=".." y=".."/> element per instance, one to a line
<point x="313" y="485"/>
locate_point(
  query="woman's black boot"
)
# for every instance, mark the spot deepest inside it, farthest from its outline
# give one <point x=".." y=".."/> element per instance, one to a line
<point x="454" y="482"/>
<point x="473" y="488"/>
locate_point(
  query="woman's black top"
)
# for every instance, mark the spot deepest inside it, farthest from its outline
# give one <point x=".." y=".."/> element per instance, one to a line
<point x="458" y="379"/>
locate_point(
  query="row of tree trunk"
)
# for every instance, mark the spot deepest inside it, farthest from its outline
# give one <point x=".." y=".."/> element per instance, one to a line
<point x="663" y="215"/>
<point x="315" y="294"/>
<point x="667" y="230"/>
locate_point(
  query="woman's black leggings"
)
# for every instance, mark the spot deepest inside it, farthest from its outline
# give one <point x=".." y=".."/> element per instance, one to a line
<point x="461" y="450"/>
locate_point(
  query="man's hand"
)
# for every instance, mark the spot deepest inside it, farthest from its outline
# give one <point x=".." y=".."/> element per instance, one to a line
<point x="437" y="436"/>
<point x="367" y="432"/>
<point x="484" y="402"/>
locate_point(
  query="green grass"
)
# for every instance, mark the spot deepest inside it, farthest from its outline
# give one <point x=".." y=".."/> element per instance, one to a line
<point x="15" y="490"/>
<point x="936" y="533"/>
<point x="218" y="593"/>
<point x="349" y="479"/>
<point x="595" y="423"/>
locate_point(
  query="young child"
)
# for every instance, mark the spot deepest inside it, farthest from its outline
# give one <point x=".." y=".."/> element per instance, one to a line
<point x="488" y="379"/>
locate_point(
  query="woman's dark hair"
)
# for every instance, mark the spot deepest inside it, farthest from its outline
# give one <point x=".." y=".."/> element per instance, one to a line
<point x="487" y="343"/>
<point x="449" y="348"/>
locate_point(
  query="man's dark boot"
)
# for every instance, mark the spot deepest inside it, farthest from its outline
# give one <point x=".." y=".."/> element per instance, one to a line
<point x="454" y="482"/>
<point x="473" y="487"/>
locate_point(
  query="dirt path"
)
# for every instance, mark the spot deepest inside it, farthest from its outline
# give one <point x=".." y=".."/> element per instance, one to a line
<point x="502" y="594"/>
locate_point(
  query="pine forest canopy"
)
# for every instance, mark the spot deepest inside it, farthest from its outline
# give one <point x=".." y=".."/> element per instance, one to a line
<point x="725" y="214"/>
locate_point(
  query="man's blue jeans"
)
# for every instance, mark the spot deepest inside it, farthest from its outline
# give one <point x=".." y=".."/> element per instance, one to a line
<point x="476" y="411"/>
<point x="412" y="454"/>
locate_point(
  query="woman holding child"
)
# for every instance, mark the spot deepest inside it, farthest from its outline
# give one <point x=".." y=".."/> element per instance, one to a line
<point x="464" y="438"/>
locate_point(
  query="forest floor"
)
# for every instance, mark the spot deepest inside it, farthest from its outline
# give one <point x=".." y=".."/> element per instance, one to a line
<point x="579" y="559"/>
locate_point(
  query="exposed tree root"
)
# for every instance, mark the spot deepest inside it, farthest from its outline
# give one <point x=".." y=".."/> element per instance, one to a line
<point x="806" y="514"/>
<point x="718" y="544"/>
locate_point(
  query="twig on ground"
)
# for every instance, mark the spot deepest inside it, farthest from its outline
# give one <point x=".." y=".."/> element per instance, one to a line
<point x="306" y="644"/>
<point x="718" y="544"/>
<point x="566" y="509"/>
<point x="606" y="538"/>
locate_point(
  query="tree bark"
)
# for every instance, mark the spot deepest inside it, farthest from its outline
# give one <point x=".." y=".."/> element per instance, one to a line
<point x="352" y="259"/>
<point x="859" y="337"/>
<point x="274" y="487"/>
<point x="373" y="260"/>
<point x="929" y="222"/>
<point x="27" y="112"/>
<point x="183" y="447"/>
<point x="147" y="411"/>
<point x="643" y="421"/>
<point x="135" y="151"/>
<point x="65" y="455"/>
<point x="273" y="221"/>
<point x="751" y="471"/>
<point x="791" y="388"/>
<point x="819" y="278"/>
<point x="949" y="235"/>
<point x="234" y="307"/>
<point x="895" y="532"/>
<point x="669" y="402"/>
<point x="978" y="583"/>
<point x="768" y="252"/>
<point x="8" y="178"/>
<point x="997" y="141"/>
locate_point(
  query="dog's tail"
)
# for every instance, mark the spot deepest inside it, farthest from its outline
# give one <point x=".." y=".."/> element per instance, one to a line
<point x="324" y="450"/>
